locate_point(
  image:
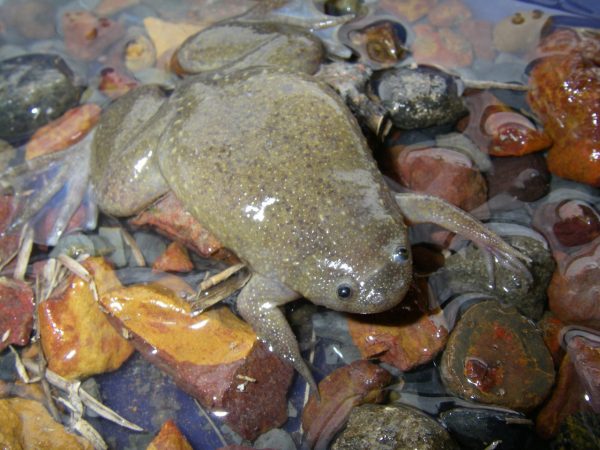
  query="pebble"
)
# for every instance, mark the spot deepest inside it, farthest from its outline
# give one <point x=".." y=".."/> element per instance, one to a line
<point x="520" y="32"/>
<point x="525" y="178"/>
<point x="87" y="36"/>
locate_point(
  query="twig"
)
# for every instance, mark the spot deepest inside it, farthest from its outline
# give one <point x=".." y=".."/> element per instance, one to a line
<point x="25" y="247"/>
<point x="211" y="423"/>
<point x="221" y="276"/>
<point x="134" y="247"/>
<point x="481" y="84"/>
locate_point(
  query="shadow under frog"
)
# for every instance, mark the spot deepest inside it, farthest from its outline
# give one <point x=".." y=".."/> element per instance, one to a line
<point x="275" y="166"/>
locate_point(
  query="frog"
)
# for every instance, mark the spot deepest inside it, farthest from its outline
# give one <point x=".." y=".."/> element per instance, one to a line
<point x="274" y="164"/>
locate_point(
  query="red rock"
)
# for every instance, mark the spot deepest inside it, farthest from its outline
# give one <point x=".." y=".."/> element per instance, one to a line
<point x="585" y="354"/>
<point x="168" y="217"/>
<point x="573" y="290"/>
<point x="169" y="438"/>
<point x="442" y="172"/>
<point x="355" y="384"/>
<point x="524" y="178"/>
<point x="441" y="47"/>
<point x="449" y="13"/>
<point x="479" y="34"/>
<point x="406" y="336"/>
<point x="63" y="132"/>
<point x="214" y="356"/>
<point x="16" y="312"/>
<point x="566" y="399"/>
<point x="88" y="36"/>
<point x="174" y="259"/>
<point x="114" y="84"/>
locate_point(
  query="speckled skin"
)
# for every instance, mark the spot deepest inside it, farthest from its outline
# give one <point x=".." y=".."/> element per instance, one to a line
<point x="273" y="163"/>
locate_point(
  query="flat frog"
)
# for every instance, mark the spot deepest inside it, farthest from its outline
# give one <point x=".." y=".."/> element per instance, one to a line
<point x="274" y="164"/>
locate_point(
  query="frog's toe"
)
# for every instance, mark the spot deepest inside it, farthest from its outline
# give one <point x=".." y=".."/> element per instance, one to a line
<point x="512" y="261"/>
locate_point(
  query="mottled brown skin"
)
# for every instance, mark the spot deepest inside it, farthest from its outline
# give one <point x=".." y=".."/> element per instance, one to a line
<point x="274" y="164"/>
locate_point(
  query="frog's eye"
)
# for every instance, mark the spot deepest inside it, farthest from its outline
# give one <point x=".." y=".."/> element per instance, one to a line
<point x="344" y="291"/>
<point x="400" y="255"/>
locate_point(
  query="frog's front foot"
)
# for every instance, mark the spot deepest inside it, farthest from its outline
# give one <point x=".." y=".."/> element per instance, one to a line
<point x="422" y="208"/>
<point x="258" y="304"/>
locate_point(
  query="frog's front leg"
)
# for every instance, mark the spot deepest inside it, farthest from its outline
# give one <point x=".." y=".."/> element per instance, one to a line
<point x="421" y="208"/>
<point x="258" y="303"/>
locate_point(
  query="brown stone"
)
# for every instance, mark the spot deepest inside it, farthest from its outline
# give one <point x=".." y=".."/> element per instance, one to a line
<point x="174" y="259"/>
<point x="16" y="312"/>
<point x="169" y="438"/>
<point x="88" y="36"/>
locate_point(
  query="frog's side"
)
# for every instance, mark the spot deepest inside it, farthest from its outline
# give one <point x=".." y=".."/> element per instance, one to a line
<point x="275" y="166"/>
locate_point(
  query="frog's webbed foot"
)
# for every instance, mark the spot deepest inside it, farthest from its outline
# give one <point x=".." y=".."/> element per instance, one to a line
<point x="49" y="189"/>
<point x="421" y="208"/>
<point x="258" y="303"/>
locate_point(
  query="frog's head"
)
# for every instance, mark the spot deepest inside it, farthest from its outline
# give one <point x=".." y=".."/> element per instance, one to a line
<point x="373" y="276"/>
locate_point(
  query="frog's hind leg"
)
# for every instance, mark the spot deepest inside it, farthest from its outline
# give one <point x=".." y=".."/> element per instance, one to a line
<point x="49" y="189"/>
<point x="421" y="208"/>
<point x="258" y="303"/>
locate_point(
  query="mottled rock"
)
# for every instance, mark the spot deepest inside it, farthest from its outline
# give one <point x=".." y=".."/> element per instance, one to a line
<point x="169" y="438"/>
<point x="466" y="272"/>
<point x="87" y="36"/>
<point x="579" y="431"/>
<point x="379" y="43"/>
<point x="418" y="98"/>
<point x="77" y="339"/>
<point x="412" y="10"/>
<point x="449" y="13"/>
<point x="114" y="83"/>
<point x="495" y="355"/>
<point x="584" y="351"/>
<point x="214" y="356"/>
<point x="406" y="336"/>
<point x="525" y="178"/>
<point x="551" y="326"/>
<point x="479" y="34"/>
<point x="392" y="427"/>
<point x="168" y="36"/>
<point x="520" y="32"/>
<point x="16" y="312"/>
<point x="355" y="384"/>
<point x="34" y="90"/>
<point x="174" y="259"/>
<point x="441" y="46"/>
<point x="442" y="172"/>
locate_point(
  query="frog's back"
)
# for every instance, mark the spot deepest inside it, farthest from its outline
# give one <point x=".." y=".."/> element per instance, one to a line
<point x="276" y="167"/>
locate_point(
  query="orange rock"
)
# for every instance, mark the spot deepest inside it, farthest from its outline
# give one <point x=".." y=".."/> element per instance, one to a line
<point x="169" y="438"/>
<point x="412" y="10"/>
<point x="167" y="36"/>
<point x="174" y="259"/>
<point x="442" y="47"/>
<point x="87" y="36"/>
<point x="25" y="424"/>
<point x="63" y="132"/>
<point x="404" y="337"/>
<point x="214" y="356"/>
<point x="76" y="336"/>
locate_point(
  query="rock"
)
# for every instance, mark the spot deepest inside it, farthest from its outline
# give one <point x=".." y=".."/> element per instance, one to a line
<point x="449" y="13"/>
<point x="567" y="398"/>
<point x="392" y="427"/>
<point x="568" y="111"/>
<point x="276" y="439"/>
<point x="407" y="336"/>
<point x="9" y="239"/>
<point x="63" y="132"/>
<point x="169" y="218"/>
<point x="441" y="46"/>
<point x="342" y="7"/>
<point x="579" y="431"/>
<point x="7" y="154"/>
<point x="476" y="429"/>
<point x="16" y="312"/>
<point x="169" y="438"/>
<point x="380" y="44"/>
<point x="520" y="32"/>
<point x="524" y="178"/>
<point x="139" y="54"/>
<point x="114" y="83"/>
<point x="214" y="356"/>
<point x="167" y="36"/>
<point x="584" y="351"/>
<point x="496" y="356"/>
<point x="77" y="339"/>
<point x="30" y="18"/>
<point x="573" y="290"/>
<point x="87" y="36"/>
<point x="479" y="34"/>
<point x="418" y="98"/>
<point x="346" y="387"/>
<point x="34" y="90"/>
<point x="551" y="326"/>
<point x="233" y="45"/>
<point x="466" y="272"/>
<point x="174" y="259"/>
<point x="412" y="10"/>
<point x="110" y="7"/>
<point x="25" y="424"/>
<point x="442" y="172"/>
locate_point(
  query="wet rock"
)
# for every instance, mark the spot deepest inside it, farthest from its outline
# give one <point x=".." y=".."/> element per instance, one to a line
<point x="449" y="13"/>
<point x="29" y="18"/>
<point x="174" y="259"/>
<point x="168" y="36"/>
<point x="407" y="336"/>
<point x="573" y="290"/>
<point x="109" y="7"/>
<point x="26" y="424"/>
<point x="9" y="239"/>
<point x="442" y="172"/>
<point x="378" y="42"/>
<point x="87" y="36"/>
<point x="467" y="273"/>
<point x="475" y="429"/>
<point x="277" y="439"/>
<point x="523" y="178"/>
<point x="114" y="83"/>
<point x="566" y="399"/>
<point x="479" y="34"/>
<point x="7" y="154"/>
<point x="355" y="384"/>
<point x="551" y="326"/>
<point x="394" y="428"/>
<point x="418" y="98"/>
<point x="495" y="355"/>
<point x="214" y="356"/>
<point x="77" y="339"/>
<point x="412" y="10"/>
<point x="579" y="431"/>
<point x="341" y="7"/>
<point x="34" y="90"/>
<point x="16" y="312"/>
<point x="231" y="45"/>
<point x="139" y="54"/>
<point x="169" y="437"/>
<point x="520" y="32"/>
<point x="584" y="351"/>
<point x="63" y="132"/>
<point x="441" y="46"/>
